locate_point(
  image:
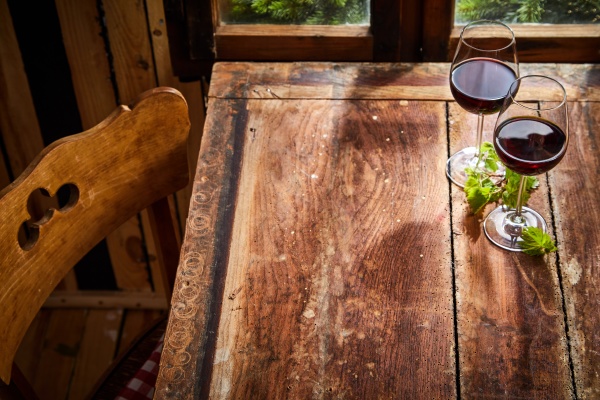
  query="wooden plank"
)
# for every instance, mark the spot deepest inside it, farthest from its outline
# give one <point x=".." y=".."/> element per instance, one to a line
<point x="133" y="65"/>
<point x="350" y="152"/>
<point x="330" y="81"/>
<point x="130" y="46"/>
<point x="88" y="61"/>
<point x="293" y="42"/>
<point x="32" y="344"/>
<point x="160" y="44"/>
<point x="194" y="94"/>
<point x="57" y="358"/>
<point x="107" y="299"/>
<point x="96" y="350"/>
<point x="511" y="333"/>
<point x="192" y="91"/>
<point x="162" y="112"/>
<point x="90" y="69"/>
<point x="338" y="181"/>
<point x="199" y="280"/>
<point x="18" y="121"/>
<point x="128" y="258"/>
<point x="573" y="186"/>
<point x="160" y="48"/>
<point x="425" y="81"/>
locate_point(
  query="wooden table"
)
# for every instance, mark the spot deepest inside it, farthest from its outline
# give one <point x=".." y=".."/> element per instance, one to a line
<point x="327" y="256"/>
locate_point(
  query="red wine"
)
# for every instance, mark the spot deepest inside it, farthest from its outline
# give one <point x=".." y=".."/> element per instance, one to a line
<point x="480" y="85"/>
<point x="530" y="145"/>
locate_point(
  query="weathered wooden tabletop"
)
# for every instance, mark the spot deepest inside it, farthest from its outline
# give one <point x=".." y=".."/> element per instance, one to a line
<point x="328" y="256"/>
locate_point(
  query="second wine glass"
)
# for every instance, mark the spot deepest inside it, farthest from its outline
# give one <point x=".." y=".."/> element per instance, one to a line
<point x="483" y="68"/>
<point x="531" y="137"/>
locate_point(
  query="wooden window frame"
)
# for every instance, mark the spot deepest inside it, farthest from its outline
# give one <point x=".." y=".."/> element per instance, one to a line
<point x="283" y="43"/>
<point x="400" y="30"/>
<point x="577" y="43"/>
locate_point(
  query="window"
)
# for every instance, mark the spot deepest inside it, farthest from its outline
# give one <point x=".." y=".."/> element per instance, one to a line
<point x="398" y="30"/>
<point x="546" y="31"/>
<point x="529" y="11"/>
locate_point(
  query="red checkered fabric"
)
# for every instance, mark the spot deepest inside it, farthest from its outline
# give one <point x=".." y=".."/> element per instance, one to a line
<point x="141" y="386"/>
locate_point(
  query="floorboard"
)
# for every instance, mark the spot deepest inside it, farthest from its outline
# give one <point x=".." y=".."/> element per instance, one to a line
<point x="66" y="351"/>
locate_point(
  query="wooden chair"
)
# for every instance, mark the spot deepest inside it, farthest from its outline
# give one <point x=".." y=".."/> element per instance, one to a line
<point x="131" y="161"/>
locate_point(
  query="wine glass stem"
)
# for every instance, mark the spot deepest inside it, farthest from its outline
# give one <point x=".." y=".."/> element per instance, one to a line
<point x="479" y="136"/>
<point x="517" y="216"/>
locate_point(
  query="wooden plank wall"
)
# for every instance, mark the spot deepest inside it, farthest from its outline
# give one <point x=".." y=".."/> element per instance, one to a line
<point x="114" y="50"/>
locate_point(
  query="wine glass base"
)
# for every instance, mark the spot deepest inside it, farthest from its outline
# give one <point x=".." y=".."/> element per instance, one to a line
<point x="500" y="231"/>
<point x="467" y="158"/>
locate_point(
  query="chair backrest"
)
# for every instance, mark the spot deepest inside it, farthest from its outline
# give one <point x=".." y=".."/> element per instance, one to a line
<point x="132" y="160"/>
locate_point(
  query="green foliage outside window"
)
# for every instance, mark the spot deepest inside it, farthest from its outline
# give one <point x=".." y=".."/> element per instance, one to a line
<point x="530" y="11"/>
<point x="300" y="12"/>
<point x="337" y="12"/>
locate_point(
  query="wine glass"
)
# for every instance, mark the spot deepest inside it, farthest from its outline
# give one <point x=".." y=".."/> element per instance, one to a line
<point x="484" y="66"/>
<point x="530" y="137"/>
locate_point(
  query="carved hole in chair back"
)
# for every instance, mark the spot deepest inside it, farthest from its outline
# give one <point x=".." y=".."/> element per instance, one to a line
<point x="41" y="207"/>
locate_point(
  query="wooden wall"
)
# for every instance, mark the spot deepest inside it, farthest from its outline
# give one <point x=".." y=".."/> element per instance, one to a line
<point x="64" y="66"/>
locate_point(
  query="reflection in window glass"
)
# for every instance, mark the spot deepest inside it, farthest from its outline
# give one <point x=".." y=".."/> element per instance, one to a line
<point x="529" y="11"/>
<point x="295" y="12"/>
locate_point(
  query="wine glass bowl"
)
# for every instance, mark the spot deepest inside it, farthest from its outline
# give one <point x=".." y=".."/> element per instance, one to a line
<point x="531" y="137"/>
<point x="530" y="153"/>
<point x="484" y="66"/>
<point x="479" y="85"/>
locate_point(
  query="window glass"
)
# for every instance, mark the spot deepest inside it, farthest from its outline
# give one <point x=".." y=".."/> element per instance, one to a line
<point x="295" y="12"/>
<point x="529" y="11"/>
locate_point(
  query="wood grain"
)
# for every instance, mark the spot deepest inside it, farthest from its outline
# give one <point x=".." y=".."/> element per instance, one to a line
<point x="111" y="187"/>
<point x="339" y="180"/>
<point x="127" y="30"/>
<point x="98" y="344"/>
<point x="27" y="357"/>
<point x="81" y="28"/>
<point x="58" y="353"/>
<point x="86" y="53"/>
<point x="192" y="91"/>
<point x="285" y="42"/>
<point x="424" y="81"/>
<point x="509" y="309"/>
<point x="279" y="277"/>
<point x="198" y="287"/>
<point x="90" y="71"/>
<point x="134" y="72"/>
<point x="18" y="122"/>
<point x="577" y="211"/>
<point x="327" y="255"/>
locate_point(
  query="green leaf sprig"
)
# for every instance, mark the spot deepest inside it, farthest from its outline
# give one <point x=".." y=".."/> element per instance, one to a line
<point x="480" y="190"/>
<point x="483" y="187"/>
<point x="536" y="242"/>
